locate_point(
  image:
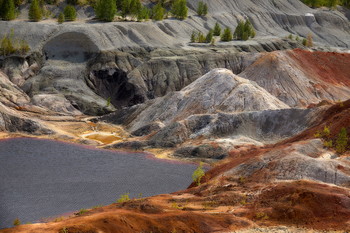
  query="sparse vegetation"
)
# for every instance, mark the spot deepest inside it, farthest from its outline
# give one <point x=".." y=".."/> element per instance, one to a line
<point x="11" y="45"/>
<point x="327" y="3"/>
<point x="261" y="216"/>
<point x="16" y="222"/>
<point x="81" y="212"/>
<point x="342" y="141"/>
<point x="198" y="174"/>
<point x="123" y="198"/>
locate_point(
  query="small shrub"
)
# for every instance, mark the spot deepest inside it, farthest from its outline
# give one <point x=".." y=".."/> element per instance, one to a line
<point x="202" y="9"/>
<point x="209" y="36"/>
<point x="328" y="144"/>
<point x="226" y="35"/>
<point x="342" y="141"/>
<point x="176" y="206"/>
<point x="60" y="18"/>
<point x="123" y="198"/>
<point x="326" y="132"/>
<point x="16" y="222"/>
<point x="290" y="37"/>
<point x="64" y="230"/>
<point x="304" y="42"/>
<point x="261" y="216"/>
<point x="69" y="13"/>
<point x="217" y="29"/>
<point x="244" y="31"/>
<point x="81" y="212"/>
<point x="198" y="174"/>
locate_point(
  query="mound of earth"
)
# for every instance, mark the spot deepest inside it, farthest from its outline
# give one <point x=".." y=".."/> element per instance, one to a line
<point x="300" y="78"/>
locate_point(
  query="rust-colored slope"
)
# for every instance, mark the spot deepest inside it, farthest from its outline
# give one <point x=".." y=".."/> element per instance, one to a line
<point x="330" y="67"/>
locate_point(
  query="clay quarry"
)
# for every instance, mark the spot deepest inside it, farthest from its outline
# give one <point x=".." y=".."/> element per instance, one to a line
<point x="137" y="125"/>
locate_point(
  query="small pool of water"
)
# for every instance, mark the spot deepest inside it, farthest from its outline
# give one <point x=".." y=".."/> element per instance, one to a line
<point x="45" y="178"/>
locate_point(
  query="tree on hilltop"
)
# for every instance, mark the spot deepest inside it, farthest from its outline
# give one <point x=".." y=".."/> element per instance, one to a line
<point x="35" y="12"/>
<point x="8" y="10"/>
<point x="105" y="10"/>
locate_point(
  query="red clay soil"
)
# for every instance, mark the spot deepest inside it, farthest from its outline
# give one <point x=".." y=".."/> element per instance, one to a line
<point x="333" y="68"/>
<point x="336" y="117"/>
<point x="303" y="203"/>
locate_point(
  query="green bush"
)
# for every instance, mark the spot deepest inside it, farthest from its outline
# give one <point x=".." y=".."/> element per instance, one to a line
<point x="35" y="12"/>
<point x="179" y="9"/>
<point x="158" y="12"/>
<point x="60" y="18"/>
<point x="202" y="9"/>
<point x="198" y="174"/>
<point x="342" y="141"/>
<point x="8" y="10"/>
<point x="16" y="222"/>
<point x="10" y="45"/>
<point x="69" y="13"/>
<point x="123" y="198"/>
<point x="244" y="31"/>
<point x="105" y="10"/>
<point x="217" y="29"/>
<point x="209" y="36"/>
<point x="226" y="35"/>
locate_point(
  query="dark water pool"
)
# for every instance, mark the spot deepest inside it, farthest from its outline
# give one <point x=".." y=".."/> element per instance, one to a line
<point x="43" y="178"/>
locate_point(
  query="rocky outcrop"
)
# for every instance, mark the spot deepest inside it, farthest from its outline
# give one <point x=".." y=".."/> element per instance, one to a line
<point x="219" y="90"/>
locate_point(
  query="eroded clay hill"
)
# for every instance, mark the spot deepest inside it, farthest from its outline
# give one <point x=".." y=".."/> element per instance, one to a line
<point x="298" y="184"/>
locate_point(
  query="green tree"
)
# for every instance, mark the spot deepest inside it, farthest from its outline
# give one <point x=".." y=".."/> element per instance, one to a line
<point x="105" y="10"/>
<point x="35" y="12"/>
<point x="201" y="37"/>
<point x="16" y="222"/>
<point x="198" y="174"/>
<point x="194" y="38"/>
<point x="60" y="18"/>
<point x="244" y="30"/>
<point x="226" y="35"/>
<point x="342" y="141"/>
<point x="143" y="14"/>
<point x="158" y="12"/>
<point x="209" y="36"/>
<point x="202" y="9"/>
<point x="217" y="29"/>
<point x="8" y="10"/>
<point x="179" y="9"/>
<point x="69" y="13"/>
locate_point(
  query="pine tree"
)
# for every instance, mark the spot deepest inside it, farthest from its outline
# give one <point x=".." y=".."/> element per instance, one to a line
<point x="179" y="9"/>
<point x="342" y="141"/>
<point x="143" y="14"/>
<point x="158" y="12"/>
<point x="202" y="9"/>
<point x="209" y="36"/>
<point x="60" y="18"/>
<point x="244" y="31"/>
<point x="105" y="10"/>
<point x="194" y="37"/>
<point x="217" y="29"/>
<point x="69" y="13"/>
<point x="35" y="12"/>
<point x="8" y="10"/>
<point x="135" y="7"/>
<point x="226" y="35"/>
